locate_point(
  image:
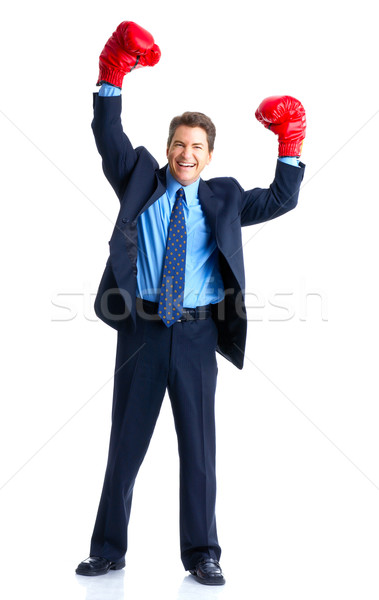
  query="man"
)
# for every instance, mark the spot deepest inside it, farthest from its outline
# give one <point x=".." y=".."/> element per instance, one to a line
<point x="173" y="288"/>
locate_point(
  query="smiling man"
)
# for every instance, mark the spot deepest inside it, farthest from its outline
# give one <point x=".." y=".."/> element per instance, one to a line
<point x="173" y="288"/>
<point x="188" y="150"/>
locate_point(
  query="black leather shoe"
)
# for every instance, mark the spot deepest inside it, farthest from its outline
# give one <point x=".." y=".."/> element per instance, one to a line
<point x="208" y="572"/>
<point x="96" y="565"/>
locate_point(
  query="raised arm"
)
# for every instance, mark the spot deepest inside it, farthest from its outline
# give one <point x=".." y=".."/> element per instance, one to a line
<point x="129" y="47"/>
<point x="285" y="116"/>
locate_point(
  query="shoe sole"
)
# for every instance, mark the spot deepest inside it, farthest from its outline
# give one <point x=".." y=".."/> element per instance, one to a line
<point x="113" y="567"/>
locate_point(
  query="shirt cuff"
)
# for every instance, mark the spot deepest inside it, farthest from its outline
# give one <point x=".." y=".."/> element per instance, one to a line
<point x="108" y="90"/>
<point x="289" y="160"/>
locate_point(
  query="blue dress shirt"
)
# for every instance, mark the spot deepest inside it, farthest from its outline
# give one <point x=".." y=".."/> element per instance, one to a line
<point x="203" y="281"/>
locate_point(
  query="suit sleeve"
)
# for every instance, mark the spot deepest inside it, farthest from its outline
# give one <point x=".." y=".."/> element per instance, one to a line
<point x="117" y="153"/>
<point x="264" y="204"/>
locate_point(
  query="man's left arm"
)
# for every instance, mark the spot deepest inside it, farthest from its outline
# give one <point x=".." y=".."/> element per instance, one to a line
<point x="285" y="116"/>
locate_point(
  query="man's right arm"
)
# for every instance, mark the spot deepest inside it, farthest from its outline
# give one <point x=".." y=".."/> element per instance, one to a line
<point x="117" y="153"/>
<point x="128" y="48"/>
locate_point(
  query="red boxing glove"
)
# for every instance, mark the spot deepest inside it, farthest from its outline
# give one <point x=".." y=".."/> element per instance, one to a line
<point x="285" y="116"/>
<point x="129" y="47"/>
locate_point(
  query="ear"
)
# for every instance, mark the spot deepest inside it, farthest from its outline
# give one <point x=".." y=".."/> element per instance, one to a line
<point x="167" y="152"/>
<point x="210" y="157"/>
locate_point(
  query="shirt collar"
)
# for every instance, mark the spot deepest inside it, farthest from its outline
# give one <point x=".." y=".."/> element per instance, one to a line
<point x="190" y="191"/>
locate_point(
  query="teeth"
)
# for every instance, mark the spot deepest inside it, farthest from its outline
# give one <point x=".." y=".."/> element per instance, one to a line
<point x="182" y="164"/>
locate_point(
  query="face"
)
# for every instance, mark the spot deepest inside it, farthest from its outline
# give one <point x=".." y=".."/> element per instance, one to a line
<point x="188" y="154"/>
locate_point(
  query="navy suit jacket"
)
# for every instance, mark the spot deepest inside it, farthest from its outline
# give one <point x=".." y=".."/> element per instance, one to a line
<point x="138" y="182"/>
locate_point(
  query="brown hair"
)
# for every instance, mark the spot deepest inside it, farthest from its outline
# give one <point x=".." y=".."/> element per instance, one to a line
<point x="193" y="119"/>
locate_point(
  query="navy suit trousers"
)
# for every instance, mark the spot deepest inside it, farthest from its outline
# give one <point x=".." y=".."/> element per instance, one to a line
<point x="150" y="360"/>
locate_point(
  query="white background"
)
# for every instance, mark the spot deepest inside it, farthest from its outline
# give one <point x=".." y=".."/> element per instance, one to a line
<point x="298" y="466"/>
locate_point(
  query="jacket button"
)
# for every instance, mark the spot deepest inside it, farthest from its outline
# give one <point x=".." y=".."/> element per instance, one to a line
<point x="125" y="220"/>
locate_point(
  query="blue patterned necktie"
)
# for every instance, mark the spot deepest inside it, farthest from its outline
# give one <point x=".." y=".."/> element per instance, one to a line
<point x="172" y="286"/>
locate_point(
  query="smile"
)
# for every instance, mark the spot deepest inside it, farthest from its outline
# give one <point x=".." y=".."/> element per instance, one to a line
<point x="185" y="164"/>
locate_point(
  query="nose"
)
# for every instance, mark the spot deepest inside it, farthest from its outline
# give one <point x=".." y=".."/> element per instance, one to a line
<point x="187" y="153"/>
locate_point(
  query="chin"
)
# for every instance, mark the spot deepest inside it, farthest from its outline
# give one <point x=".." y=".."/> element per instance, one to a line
<point x="187" y="179"/>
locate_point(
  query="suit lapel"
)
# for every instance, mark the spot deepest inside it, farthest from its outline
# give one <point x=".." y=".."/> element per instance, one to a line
<point x="209" y="205"/>
<point x="159" y="191"/>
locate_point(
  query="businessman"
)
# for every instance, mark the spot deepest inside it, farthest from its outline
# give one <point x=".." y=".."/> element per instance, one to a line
<point x="173" y="288"/>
